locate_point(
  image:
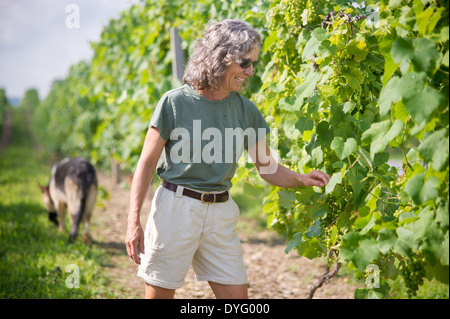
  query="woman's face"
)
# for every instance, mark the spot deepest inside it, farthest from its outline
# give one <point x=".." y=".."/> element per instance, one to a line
<point x="235" y="75"/>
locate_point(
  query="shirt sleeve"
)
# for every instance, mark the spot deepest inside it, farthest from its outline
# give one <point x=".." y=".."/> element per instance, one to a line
<point x="163" y="117"/>
<point x="257" y="121"/>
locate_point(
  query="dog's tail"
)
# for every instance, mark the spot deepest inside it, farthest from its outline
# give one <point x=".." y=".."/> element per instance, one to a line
<point x="84" y="187"/>
<point x="78" y="216"/>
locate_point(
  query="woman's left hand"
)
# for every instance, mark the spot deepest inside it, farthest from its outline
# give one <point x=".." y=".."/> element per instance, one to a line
<point x="316" y="178"/>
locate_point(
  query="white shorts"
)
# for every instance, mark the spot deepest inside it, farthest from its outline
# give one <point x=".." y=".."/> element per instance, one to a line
<point x="182" y="231"/>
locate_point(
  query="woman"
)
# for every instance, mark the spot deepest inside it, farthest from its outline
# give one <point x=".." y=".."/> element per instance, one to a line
<point x="200" y="131"/>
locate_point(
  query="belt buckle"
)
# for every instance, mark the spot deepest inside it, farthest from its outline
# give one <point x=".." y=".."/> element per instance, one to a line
<point x="203" y="200"/>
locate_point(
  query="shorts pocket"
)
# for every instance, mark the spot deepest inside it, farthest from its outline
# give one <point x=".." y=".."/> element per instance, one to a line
<point x="226" y="217"/>
<point x="160" y="198"/>
<point x="150" y="259"/>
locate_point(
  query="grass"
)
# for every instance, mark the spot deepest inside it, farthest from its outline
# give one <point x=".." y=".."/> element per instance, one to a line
<point x="35" y="259"/>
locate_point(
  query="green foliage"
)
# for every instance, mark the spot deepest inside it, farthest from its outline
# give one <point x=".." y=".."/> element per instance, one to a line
<point x="66" y="120"/>
<point x="4" y="105"/>
<point x="345" y="82"/>
<point x="30" y="100"/>
<point x="344" y="88"/>
<point x="34" y="255"/>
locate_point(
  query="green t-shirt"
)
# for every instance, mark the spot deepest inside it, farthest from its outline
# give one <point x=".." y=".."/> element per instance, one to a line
<point x="204" y="138"/>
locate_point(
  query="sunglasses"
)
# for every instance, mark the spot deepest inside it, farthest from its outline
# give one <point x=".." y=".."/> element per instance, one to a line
<point x="245" y="63"/>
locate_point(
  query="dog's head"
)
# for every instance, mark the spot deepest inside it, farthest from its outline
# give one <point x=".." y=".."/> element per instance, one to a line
<point x="48" y="202"/>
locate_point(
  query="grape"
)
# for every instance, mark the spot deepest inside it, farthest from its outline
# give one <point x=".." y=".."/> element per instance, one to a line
<point x="413" y="271"/>
<point x="274" y="18"/>
<point x="312" y="10"/>
<point x="295" y="9"/>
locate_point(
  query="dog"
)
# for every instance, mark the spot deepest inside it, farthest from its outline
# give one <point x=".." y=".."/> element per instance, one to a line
<point x="73" y="185"/>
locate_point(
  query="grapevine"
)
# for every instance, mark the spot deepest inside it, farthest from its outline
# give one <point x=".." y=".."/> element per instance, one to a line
<point x="372" y="214"/>
<point x="344" y="82"/>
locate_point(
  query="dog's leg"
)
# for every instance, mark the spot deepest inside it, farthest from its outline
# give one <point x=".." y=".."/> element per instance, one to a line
<point x="70" y="213"/>
<point x="87" y="238"/>
<point x="61" y="210"/>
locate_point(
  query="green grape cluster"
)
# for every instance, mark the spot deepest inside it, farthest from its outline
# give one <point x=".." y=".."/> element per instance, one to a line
<point x="334" y="207"/>
<point x="413" y="271"/>
<point x="338" y="69"/>
<point x="312" y="7"/>
<point x="331" y="252"/>
<point x="294" y="12"/>
<point x="328" y="246"/>
<point x="276" y="17"/>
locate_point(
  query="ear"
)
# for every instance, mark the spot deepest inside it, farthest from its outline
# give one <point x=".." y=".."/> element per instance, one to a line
<point x="43" y="188"/>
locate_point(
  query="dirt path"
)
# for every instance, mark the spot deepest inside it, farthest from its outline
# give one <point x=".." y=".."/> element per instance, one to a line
<point x="272" y="274"/>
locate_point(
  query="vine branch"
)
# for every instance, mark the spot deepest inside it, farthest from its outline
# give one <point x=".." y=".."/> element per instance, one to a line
<point x="327" y="275"/>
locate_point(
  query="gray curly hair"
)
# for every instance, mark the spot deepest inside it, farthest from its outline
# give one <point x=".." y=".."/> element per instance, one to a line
<point x="222" y="43"/>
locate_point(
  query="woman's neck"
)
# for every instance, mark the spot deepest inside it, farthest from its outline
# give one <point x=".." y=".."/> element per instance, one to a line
<point x="213" y="95"/>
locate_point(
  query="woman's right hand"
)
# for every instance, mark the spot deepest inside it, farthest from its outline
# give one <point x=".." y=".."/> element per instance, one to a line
<point x="134" y="241"/>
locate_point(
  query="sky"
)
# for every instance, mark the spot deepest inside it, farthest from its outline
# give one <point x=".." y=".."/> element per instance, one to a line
<point x="40" y="40"/>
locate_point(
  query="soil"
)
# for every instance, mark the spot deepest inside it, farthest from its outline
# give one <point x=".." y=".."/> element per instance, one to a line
<point x="272" y="274"/>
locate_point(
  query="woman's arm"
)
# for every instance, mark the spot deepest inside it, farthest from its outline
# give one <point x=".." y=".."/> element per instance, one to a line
<point x="153" y="146"/>
<point x="278" y="175"/>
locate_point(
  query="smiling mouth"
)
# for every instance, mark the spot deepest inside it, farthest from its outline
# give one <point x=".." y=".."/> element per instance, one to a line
<point x="239" y="79"/>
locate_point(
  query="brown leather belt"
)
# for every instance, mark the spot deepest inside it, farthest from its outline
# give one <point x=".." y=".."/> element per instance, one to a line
<point x="205" y="198"/>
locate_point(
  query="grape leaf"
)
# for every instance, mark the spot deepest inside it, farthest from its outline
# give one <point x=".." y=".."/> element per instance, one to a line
<point x="380" y="143"/>
<point x="354" y="78"/>
<point x="389" y="95"/>
<point x="289" y="104"/>
<point x="286" y="198"/>
<point x="435" y="148"/>
<point x="304" y="124"/>
<point x="380" y="134"/>
<point x="386" y="240"/>
<point x="367" y="252"/>
<point x="375" y="130"/>
<point x="414" y="186"/>
<point x="420" y="99"/>
<point x="421" y="191"/>
<point x="294" y="242"/>
<point x="312" y="46"/>
<point x="360" y="252"/>
<point x="306" y="89"/>
<point x="335" y="179"/>
<point x="425" y="55"/>
<point x="343" y="148"/>
<point x="402" y="49"/>
<point x="357" y="49"/>
<point x="317" y="156"/>
<point x="310" y="248"/>
<point x="405" y="243"/>
<point x="314" y="230"/>
<point x="390" y="66"/>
